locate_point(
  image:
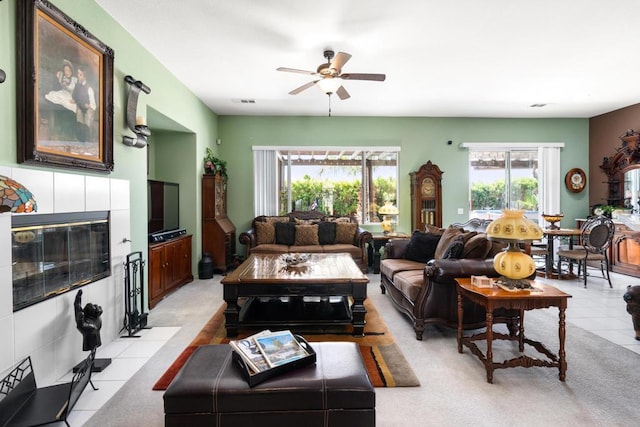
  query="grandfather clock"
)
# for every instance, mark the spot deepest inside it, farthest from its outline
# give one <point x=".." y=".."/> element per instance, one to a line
<point x="426" y="197"/>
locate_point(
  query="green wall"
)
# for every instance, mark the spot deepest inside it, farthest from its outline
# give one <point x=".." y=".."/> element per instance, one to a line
<point x="181" y="125"/>
<point x="420" y="139"/>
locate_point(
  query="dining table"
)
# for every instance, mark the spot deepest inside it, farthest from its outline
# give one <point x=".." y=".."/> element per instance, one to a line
<point x="553" y="235"/>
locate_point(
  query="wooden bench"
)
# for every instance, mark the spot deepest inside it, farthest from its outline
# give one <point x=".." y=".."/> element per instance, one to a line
<point x="24" y="404"/>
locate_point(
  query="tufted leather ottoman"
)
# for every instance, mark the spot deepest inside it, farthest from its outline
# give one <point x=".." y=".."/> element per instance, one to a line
<point x="210" y="391"/>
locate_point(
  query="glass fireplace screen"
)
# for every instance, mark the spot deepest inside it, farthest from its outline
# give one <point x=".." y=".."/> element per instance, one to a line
<point x="55" y="253"/>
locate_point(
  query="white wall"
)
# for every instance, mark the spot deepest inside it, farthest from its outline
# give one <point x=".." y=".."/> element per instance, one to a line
<point x="47" y="331"/>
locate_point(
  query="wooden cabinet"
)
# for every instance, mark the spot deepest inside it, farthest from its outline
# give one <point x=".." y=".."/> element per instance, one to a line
<point x="169" y="267"/>
<point x="426" y="196"/>
<point x="218" y="232"/>
<point x="625" y="251"/>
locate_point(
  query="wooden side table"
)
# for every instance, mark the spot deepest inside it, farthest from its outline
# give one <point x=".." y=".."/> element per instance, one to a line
<point x="376" y="243"/>
<point x="495" y="297"/>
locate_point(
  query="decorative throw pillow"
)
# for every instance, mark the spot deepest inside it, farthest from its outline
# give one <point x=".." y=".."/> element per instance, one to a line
<point x="306" y="235"/>
<point x="339" y="219"/>
<point x="422" y="246"/>
<point x="448" y="236"/>
<point x="285" y="233"/>
<point x="477" y="247"/>
<point x="433" y="229"/>
<point x="346" y="232"/>
<point x="455" y="248"/>
<point x="327" y="233"/>
<point x="450" y="233"/>
<point x="265" y="233"/>
<point x="274" y="219"/>
<point x="305" y="221"/>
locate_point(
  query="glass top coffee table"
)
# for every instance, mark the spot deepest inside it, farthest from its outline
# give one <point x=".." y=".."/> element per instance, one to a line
<point x="264" y="292"/>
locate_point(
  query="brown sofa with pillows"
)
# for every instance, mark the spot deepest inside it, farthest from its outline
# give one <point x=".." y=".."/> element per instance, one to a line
<point x="307" y="232"/>
<point x="419" y="275"/>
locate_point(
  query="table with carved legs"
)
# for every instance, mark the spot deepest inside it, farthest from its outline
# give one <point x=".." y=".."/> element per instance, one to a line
<point x="327" y="290"/>
<point x="495" y="297"/>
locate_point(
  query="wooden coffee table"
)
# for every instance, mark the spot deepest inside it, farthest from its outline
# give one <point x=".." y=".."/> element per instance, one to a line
<point x="264" y="293"/>
<point x="495" y="297"/>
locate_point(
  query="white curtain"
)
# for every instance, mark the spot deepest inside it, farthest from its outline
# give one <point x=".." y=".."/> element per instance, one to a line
<point x="550" y="180"/>
<point x="265" y="181"/>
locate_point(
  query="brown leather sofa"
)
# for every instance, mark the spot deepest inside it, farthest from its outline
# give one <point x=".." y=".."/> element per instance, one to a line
<point x="309" y="235"/>
<point x="426" y="292"/>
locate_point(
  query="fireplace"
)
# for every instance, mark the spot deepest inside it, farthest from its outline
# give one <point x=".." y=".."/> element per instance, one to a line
<point x="56" y="253"/>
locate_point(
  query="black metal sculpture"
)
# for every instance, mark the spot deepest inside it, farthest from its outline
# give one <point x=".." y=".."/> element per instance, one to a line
<point x="89" y="323"/>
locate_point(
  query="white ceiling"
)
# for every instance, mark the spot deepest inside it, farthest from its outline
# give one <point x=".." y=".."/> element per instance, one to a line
<point x="457" y="58"/>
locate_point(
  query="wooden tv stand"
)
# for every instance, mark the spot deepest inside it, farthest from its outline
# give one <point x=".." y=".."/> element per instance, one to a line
<point x="169" y="267"/>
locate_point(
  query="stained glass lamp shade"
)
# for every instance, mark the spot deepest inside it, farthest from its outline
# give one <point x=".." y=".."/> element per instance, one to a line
<point x="15" y="197"/>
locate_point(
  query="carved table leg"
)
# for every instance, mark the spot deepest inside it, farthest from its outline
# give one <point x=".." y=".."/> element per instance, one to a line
<point x="232" y="311"/>
<point x="489" y="361"/>
<point x="521" y="332"/>
<point x="460" y="314"/>
<point x="358" y="311"/>
<point x="562" y="362"/>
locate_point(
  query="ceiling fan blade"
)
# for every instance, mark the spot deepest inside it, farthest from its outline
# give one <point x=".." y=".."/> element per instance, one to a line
<point x="340" y="59"/>
<point x="303" y="87"/>
<point x="342" y="93"/>
<point x="295" y="70"/>
<point x="363" y="76"/>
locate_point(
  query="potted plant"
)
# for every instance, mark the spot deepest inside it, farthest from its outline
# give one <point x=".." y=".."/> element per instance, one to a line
<point x="607" y="210"/>
<point x="214" y="165"/>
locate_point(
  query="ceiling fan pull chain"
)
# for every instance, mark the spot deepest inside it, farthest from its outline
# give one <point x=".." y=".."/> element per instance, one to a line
<point x="329" y="95"/>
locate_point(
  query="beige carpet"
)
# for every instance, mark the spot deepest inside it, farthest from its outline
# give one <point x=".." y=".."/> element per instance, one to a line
<point x="385" y="363"/>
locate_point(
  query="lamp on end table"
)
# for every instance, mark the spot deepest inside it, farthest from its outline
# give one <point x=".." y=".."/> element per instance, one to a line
<point x="513" y="264"/>
<point x="389" y="217"/>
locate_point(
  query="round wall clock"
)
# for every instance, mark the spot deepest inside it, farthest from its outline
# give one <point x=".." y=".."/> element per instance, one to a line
<point x="575" y="180"/>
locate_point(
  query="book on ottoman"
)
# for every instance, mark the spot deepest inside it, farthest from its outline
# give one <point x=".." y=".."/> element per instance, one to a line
<point x="266" y="354"/>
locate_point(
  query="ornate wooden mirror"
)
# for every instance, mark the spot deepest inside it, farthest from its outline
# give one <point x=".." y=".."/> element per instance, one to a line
<point x="623" y="172"/>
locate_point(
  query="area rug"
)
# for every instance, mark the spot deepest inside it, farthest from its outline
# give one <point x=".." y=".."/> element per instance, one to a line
<point x="385" y="363"/>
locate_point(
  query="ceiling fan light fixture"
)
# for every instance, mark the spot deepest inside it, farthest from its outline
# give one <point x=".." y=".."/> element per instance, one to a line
<point x="329" y="85"/>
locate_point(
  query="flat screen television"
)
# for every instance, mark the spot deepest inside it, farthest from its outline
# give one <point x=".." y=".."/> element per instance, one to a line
<point x="163" y="208"/>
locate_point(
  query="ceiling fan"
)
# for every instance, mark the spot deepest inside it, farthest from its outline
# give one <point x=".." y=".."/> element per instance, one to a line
<point x="331" y="75"/>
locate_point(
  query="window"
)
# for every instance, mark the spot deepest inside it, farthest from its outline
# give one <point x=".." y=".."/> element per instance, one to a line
<point x="503" y="180"/>
<point x="333" y="180"/>
<point x="513" y="176"/>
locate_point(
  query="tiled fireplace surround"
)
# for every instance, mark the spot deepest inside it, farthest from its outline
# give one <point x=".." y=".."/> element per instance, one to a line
<point x="47" y="331"/>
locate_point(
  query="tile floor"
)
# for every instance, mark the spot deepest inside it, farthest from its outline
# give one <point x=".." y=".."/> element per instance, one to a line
<point x="598" y="308"/>
<point x="127" y="355"/>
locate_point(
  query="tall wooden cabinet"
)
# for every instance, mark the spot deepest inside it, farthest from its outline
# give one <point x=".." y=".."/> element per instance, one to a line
<point x="169" y="267"/>
<point x="218" y="232"/>
<point x="426" y="196"/>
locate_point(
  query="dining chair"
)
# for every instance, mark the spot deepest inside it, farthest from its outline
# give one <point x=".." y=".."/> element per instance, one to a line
<point x="596" y="235"/>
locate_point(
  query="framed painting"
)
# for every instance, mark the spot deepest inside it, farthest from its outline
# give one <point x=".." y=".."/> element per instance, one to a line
<point x="65" y="91"/>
